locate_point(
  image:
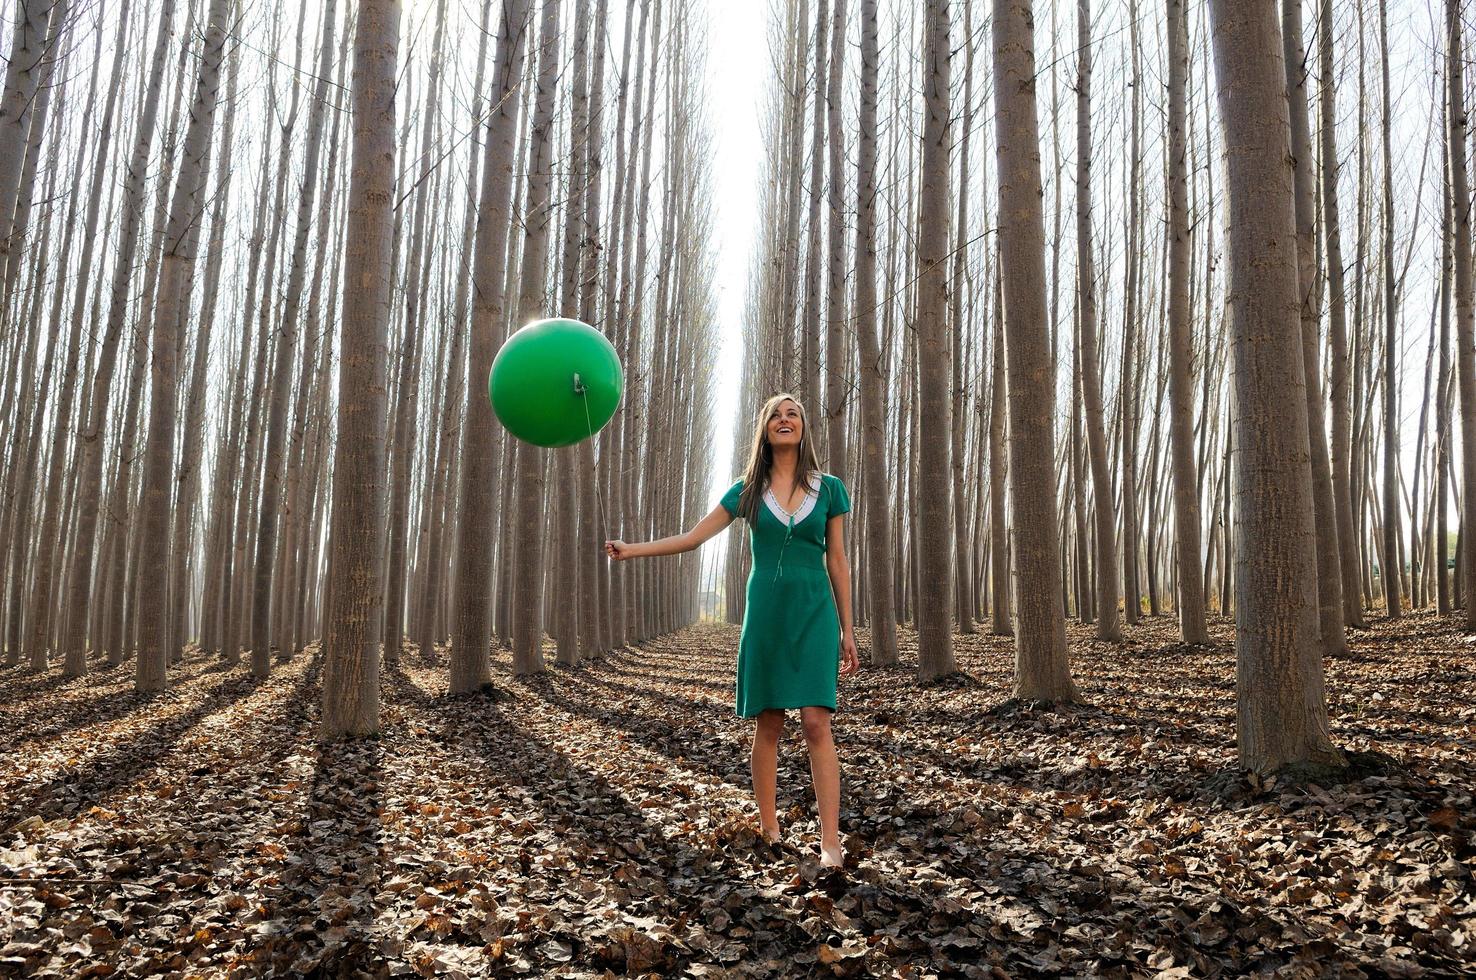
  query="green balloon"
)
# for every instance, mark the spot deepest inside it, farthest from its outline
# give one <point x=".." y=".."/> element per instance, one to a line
<point x="548" y="375"/>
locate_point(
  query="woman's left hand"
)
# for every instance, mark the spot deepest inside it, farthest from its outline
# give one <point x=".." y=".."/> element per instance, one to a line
<point x="849" y="662"/>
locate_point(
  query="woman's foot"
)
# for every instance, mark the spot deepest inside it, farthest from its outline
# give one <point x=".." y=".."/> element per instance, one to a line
<point x="832" y="857"/>
<point x="772" y="834"/>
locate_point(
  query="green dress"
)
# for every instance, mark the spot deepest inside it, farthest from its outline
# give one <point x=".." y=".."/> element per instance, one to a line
<point x="789" y="650"/>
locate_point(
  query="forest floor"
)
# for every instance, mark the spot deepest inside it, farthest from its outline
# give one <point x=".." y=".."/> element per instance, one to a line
<point x="598" y="819"/>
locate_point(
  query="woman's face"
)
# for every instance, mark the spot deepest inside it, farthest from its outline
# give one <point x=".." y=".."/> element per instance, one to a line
<point x="786" y="426"/>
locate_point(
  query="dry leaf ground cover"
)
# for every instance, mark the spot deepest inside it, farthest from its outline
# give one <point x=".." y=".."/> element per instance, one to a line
<point x="597" y="821"/>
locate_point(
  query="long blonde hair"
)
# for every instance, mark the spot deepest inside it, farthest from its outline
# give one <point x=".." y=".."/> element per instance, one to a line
<point x="761" y="458"/>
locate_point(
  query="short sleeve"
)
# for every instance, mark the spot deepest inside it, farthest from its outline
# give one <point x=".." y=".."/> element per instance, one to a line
<point x="840" y="500"/>
<point x="730" y="499"/>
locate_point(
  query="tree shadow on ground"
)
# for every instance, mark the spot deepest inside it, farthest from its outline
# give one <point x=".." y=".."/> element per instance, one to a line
<point x="662" y="868"/>
<point x="645" y="660"/>
<point x="613" y="667"/>
<point x="73" y="789"/>
<point x="322" y="924"/>
<point x="20" y="685"/>
<point x="110" y="704"/>
<point x="674" y="875"/>
<point x="848" y="737"/>
<point x="680" y="729"/>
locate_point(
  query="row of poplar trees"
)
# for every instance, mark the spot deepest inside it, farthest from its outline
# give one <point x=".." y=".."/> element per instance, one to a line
<point x="257" y="259"/>
<point x="1119" y="356"/>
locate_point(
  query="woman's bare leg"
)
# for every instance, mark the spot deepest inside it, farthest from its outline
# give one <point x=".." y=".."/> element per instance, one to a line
<point x="825" y="771"/>
<point x="764" y="764"/>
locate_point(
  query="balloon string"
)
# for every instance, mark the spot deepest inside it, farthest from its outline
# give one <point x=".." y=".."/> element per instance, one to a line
<point x="594" y="472"/>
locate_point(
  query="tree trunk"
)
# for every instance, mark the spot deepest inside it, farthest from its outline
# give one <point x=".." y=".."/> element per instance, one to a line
<point x="934" y="539"/>
<point x="1329" y="584"/>
<point x="1465" y="311"/>
<point x="1337" y="333"/>
<point x="471" y="626"/>
<point x="181" y="241"/>
<point x="408" y="385"/>
<point x="1127" y="395"/>
<point x="90" y="439"/>
<point x="963" y="582"/>
<point x="528" y="467"/>
<point x="809" y="375"/>
<point x="22" y="75"/>
<point x="787" y="378"/>
<point x="999" y="541"/>
<point x="1281" y="704"/>
<point x="440" y="483"/>
<point x="14" y="222"/>
<point x="188" y="475"/>
<point x="881" y="612"/>
<point x="594" y="616"/>
<point x="837" y="351"/>
<point x="1041" y="670"/>
<point x="1086" y="606"/>
<point x="1091" y="369"/>
<point x="632" y="305"/>
<point x="1181" y="344"/>
<point x="356" y="539"/>
<point x="1389" y="564"/>
<point x="571" y="616"/>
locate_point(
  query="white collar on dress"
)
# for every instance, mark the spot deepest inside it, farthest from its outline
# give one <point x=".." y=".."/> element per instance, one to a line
<point x="802" y="511"/>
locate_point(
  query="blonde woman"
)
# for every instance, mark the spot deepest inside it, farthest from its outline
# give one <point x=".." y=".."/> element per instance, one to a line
<point x="797" y="632"/>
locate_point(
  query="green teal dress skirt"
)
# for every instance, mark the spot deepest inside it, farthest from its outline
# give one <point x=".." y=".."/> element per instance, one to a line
<point x="789" y="650"/>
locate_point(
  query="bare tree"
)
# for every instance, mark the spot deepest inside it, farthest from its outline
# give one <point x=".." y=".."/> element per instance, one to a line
<point x="529" y="466"/>
<point x="1280" y="700"/>
<point x="1091" y="370"/>
<point x="446" y="474"/>
<point x="1441" y="545"/>
<point x="963" y="580"/>
<point x="1329" y="582"/>
<point x="1389" y="563"/>
<point x="471" y="627"/>
<point x="999" y="541"/>
<point x="22" y="74"/>
<point x="46" y="498"/>
<point x="1465" y="307"/>
<point x="837" y="349"/>
<point x="595" y="595"/>
<point x="1127" y="395"/>
<point x="1041" y="670"/>
<point x="351" y="668"/>
<point x="180" y="244"/>
<point x="878" y="524"/>
<point x="1181" y="343"/>
<point x="809" y="374"/>
<point x="407" y="405"/>
<point x="14" y="223"/>
<point x="934" y="538"/>
<point x="1337" y="332"/>
<point x="268" y="515"/>
<point x="90" y="439"/>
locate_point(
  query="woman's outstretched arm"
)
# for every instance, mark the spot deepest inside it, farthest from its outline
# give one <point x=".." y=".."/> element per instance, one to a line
<point x="674" y="544"/>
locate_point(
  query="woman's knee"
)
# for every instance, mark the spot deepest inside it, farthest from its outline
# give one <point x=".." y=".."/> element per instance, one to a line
<point x="816" y="724"/>
<point x="770" y="724"/>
